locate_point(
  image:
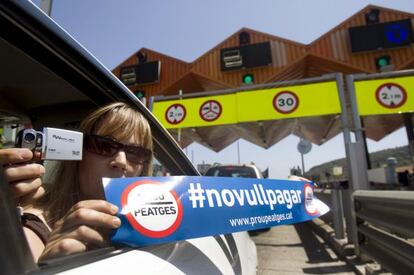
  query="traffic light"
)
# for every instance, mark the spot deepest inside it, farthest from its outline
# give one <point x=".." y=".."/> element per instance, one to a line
<point x="248" y="79"/>
<point x="244" y="38"/>
<point x="140" y="94"/>
<point x="372" y="17"/>
<point x="383" y="62"/>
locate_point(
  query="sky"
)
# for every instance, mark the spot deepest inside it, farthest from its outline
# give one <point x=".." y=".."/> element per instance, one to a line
<point x="185" y="29"/>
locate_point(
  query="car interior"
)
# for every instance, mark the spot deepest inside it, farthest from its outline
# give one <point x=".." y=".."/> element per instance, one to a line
<point x="48" y="80"/>
<point x="45" y="83"/>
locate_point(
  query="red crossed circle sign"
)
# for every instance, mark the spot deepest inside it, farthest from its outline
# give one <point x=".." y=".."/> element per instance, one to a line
<point x="310" y="206"/>
<point x="391" y="95"/>
<point x="151" y="209"/>
<point x="285" y="102"/>
<point x="210" y="110"/>
<point x="175" y="114"/>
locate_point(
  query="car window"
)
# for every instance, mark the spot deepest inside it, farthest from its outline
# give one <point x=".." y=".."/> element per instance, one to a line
<point x="159" y="169"/>
<point x="45" y="81"/>
<point x="232" y="171"/>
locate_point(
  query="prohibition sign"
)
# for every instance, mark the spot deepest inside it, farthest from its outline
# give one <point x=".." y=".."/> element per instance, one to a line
<point x="175" y="113"/>
<point x="152" y="210"/>
<point x="285" y="102"/>
<point x="210" y="110"/>
<point x="310" y="206"/>
<point x="391" y="95"/>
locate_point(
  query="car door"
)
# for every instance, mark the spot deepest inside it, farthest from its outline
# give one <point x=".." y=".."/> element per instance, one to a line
<point x="48" y="79"/>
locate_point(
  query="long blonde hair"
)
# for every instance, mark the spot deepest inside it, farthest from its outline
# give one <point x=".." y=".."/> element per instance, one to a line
<point x="117" y="120"/>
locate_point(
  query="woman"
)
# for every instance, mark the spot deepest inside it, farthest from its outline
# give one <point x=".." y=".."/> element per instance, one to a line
<point x="118" y="143"/>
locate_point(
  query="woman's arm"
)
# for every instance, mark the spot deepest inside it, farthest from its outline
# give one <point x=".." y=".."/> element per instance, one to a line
<point x="35" y="243"/>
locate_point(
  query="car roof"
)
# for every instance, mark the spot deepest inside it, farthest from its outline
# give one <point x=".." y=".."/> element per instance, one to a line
<point x="234" y="165"/>
<point x="256" y="170"/>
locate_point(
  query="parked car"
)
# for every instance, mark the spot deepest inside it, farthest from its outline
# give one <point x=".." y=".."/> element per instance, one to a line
<point x="48" y="79"/>
<point x="237" y="171"/>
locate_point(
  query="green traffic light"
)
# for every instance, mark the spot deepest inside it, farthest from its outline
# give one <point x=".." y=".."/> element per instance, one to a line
<point x="382" y="62"/>
<point x="139" y="94"/>
<point x="248" y="79"/>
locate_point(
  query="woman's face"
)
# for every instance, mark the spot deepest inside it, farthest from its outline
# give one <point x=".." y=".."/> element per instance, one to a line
<point x="93" y="167"/>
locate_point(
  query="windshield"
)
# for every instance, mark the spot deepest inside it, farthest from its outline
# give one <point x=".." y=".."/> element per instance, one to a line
<point x="232" y="171"/>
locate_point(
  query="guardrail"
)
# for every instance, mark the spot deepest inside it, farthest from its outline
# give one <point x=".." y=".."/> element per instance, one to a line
<point x="386" y="228"/>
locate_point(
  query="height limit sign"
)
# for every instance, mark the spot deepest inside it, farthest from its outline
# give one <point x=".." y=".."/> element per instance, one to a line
<point x="391" y="95"/>
<point x="175" y="114"/>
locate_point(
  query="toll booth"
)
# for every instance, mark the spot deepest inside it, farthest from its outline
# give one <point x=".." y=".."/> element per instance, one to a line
<point x="249" y="57"/>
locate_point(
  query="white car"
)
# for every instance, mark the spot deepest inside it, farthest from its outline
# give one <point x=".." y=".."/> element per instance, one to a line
<point x="48" y="79"/>
<point x="235" y="171"/>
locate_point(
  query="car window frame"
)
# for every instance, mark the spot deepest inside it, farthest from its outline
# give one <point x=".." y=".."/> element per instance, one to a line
<point x="39" y="37"/>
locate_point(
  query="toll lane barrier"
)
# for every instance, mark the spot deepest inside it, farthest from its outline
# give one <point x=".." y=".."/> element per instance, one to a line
<point x="164" y="209"/>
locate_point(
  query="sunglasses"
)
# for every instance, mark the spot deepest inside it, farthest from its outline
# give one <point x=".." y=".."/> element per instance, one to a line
<point x="108" y="147"/>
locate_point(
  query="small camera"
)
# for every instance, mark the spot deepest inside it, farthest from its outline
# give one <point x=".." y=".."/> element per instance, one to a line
<point x="52" y="143"/>
<point x="29" y="138"/>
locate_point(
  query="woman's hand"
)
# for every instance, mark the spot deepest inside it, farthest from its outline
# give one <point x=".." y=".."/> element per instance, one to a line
<point x="24" y="178"/>
<point x="87" y="224"/>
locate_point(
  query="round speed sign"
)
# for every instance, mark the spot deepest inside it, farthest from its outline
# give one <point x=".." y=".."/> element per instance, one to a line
<point x="285" y="102"/>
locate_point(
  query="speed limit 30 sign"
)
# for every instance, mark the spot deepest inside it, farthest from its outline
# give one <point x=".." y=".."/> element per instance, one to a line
<point x="285" y="102"/>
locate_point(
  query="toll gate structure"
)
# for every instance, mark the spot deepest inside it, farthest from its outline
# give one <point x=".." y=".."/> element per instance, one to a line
<point x="249" y="57"/>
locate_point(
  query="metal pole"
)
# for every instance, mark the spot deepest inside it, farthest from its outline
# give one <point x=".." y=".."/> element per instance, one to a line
<point x="351" y="225"/>
<point x="238" y="152"/>
<point x="364" y="139"/>
<point x="151" y="103"/>
<point x="337" y="211"/>
<point x="180" y="93"/>
<point x="357" y="157"/>
<point x="303" y="164"/>
<point x="408" y="121"/>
